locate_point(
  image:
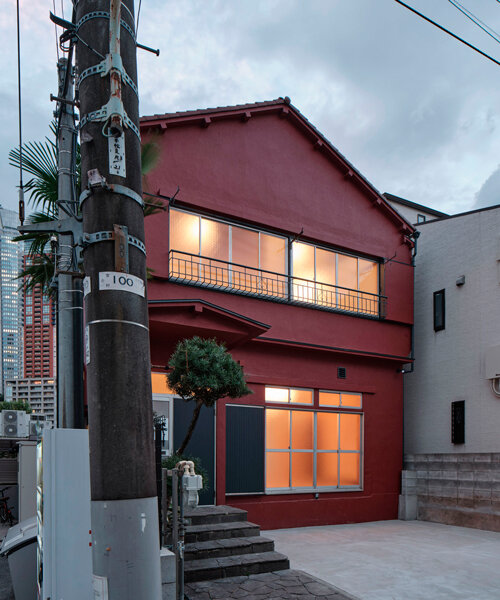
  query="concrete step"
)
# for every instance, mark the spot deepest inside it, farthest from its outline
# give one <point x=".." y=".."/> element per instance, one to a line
<point x="232" y="566"/>
<point x="205" y="515"/>
<point x="219" y="531"/>
<point x="227" y="547"/>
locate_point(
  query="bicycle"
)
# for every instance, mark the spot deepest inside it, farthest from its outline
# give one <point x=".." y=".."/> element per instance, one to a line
<point x="5" y="512"/>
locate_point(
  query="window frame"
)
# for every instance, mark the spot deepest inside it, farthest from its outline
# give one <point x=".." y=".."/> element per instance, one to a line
<point x="289" y="402"/>
<point x="315" y="409"/>
<point x="439" y="297"/>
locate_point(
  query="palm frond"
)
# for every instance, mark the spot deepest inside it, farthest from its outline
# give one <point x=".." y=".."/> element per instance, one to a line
<point x="40" y="160"/>
<point x="38" y="273"/>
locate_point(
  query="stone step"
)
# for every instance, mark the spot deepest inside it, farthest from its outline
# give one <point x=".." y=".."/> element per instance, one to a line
<point x="227" y="547"/>
<point x="232" y="566"/>
<point x="205" y="515"/>
<point x="219" y="531"/>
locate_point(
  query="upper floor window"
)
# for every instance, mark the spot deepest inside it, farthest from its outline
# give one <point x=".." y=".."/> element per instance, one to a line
<point x="332" y="279"/>
<point x="421" y="218"/>
<point x="225" y="256"/>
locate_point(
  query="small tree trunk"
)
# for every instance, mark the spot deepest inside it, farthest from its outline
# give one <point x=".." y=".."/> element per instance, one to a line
<point x="196" y="414"/>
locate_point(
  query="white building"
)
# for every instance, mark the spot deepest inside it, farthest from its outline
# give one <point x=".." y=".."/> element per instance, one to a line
<point x="414" y="213"/>
<point x="452" y="399"/>
<point x="40" y="394"/>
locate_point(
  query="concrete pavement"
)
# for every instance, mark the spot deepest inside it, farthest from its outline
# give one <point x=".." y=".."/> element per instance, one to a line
<point x="397" y="560"/>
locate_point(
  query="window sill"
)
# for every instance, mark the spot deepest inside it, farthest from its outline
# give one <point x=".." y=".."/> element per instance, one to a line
<point x="322" y="490"/>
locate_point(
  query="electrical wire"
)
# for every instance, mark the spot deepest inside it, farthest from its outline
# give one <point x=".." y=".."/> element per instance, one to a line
<point x="448" y="32"/>
<point x="21" y="186"/>
<point x="55" y="29"/>
<point x="139" y="14"/>
<point x="481" y="24"/>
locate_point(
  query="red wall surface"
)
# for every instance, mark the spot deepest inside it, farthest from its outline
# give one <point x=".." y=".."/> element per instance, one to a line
<point x="266" y="172"/>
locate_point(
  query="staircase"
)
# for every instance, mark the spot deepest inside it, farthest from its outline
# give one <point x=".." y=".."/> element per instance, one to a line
<point x="220" y="542"/>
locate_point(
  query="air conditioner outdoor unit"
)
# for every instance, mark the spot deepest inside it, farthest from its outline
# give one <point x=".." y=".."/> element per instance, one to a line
<point x="14" y="423"/>
<point x="37" y="424"/>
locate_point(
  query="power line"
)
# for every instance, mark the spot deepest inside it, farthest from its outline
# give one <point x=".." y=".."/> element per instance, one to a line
<point x="449" y="32"/>
<point x="21" y="187"/>
<point x="486" y="28"/>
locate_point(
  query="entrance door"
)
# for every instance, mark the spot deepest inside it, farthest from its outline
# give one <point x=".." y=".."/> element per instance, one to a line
<point x="202" y="442"/>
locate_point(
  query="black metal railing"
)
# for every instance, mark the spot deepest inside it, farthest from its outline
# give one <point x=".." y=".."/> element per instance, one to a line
<point x="203" y="271"/>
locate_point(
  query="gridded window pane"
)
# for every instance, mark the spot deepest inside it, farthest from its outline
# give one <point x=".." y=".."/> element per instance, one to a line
<point x="302" y="469"/>
<point x="276" y="394"/>
<point x="277" y="469"/>
<point x="159" y="384"/>
<point x="368" y="276"/>
<point x="329" y="399"/>
<point x="302" y="430"/>
<point x="349" y="469"/>
<point x="214" y="239"/>
<point x="272" y="253"/>
<point x="350" y="432"/>
<point x="277" y="429"/>
<point x="303" y="260"/>
<point x="325" y="266"/>
<point x="351" y="400"/>
<point x="301" y="396"/>
<point x="327" y="469"/>
<point x="327" y="428"/>
<point x="245" y="247"/>
<point x="347" y="277"/>
<point x="184" y="232"/>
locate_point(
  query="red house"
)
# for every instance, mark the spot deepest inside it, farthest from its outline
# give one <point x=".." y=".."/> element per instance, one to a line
<point x="277" y="245"/>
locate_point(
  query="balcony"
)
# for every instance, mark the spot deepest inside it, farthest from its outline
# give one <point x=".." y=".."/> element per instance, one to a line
<point x="201" y="271"/>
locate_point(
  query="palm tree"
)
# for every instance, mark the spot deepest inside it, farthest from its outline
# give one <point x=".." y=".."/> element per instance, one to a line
<point x="39" y="159"/>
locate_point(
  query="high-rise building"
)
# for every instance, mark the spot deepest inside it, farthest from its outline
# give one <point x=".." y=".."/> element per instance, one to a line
<point x="11" y="355"/>
<point x="39" y="333"/>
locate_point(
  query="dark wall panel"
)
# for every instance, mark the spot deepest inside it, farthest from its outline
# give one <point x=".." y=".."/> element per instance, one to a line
<point x="244" y="449"/>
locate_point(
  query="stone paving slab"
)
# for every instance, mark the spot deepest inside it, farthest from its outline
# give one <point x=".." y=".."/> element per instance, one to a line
<point x="278" y="585"/>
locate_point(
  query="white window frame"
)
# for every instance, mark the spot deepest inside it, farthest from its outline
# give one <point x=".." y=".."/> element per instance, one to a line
<point x="169" y="398"/>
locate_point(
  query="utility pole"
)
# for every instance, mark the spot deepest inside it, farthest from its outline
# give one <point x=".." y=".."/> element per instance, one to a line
<point x="124" y="510"/>
<point x="69" y="294"/>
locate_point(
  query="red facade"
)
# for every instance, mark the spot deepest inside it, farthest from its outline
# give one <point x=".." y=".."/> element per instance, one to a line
<point x="263" y="172"/>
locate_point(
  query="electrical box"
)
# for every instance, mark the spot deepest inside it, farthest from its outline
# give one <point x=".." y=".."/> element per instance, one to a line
<point x="492" y="362"/>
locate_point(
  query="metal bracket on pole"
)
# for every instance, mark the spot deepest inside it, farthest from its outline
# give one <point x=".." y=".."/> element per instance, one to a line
<point x="111" y="61"/>
<point x="121" y="248"/>
<point x="101" y="14"/>
<point x="96" y="181"/>
<point x="106" y="236"/>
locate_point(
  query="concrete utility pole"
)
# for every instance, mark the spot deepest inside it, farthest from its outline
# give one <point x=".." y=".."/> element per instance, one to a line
<point x="126" y="559"/>
<point x="69" y="295"/>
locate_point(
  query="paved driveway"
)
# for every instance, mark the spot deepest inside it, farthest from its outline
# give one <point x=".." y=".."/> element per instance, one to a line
<point x="398" y="560"/>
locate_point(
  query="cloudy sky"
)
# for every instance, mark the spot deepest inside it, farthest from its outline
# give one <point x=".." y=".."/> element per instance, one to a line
<point x="414" y="110"/>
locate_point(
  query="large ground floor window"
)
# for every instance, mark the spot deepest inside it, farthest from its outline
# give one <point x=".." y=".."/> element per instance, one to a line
<point x="313" y="449"/>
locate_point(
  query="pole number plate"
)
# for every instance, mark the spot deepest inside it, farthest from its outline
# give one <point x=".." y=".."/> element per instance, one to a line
<point x="125" y="282"/>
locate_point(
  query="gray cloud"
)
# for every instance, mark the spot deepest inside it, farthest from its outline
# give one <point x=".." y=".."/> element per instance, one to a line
<point x="413" y="109"/>
<point x="489" y="194"/>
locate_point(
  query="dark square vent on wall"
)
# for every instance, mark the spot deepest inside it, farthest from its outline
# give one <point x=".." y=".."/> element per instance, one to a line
<point x="341" y="373"/>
